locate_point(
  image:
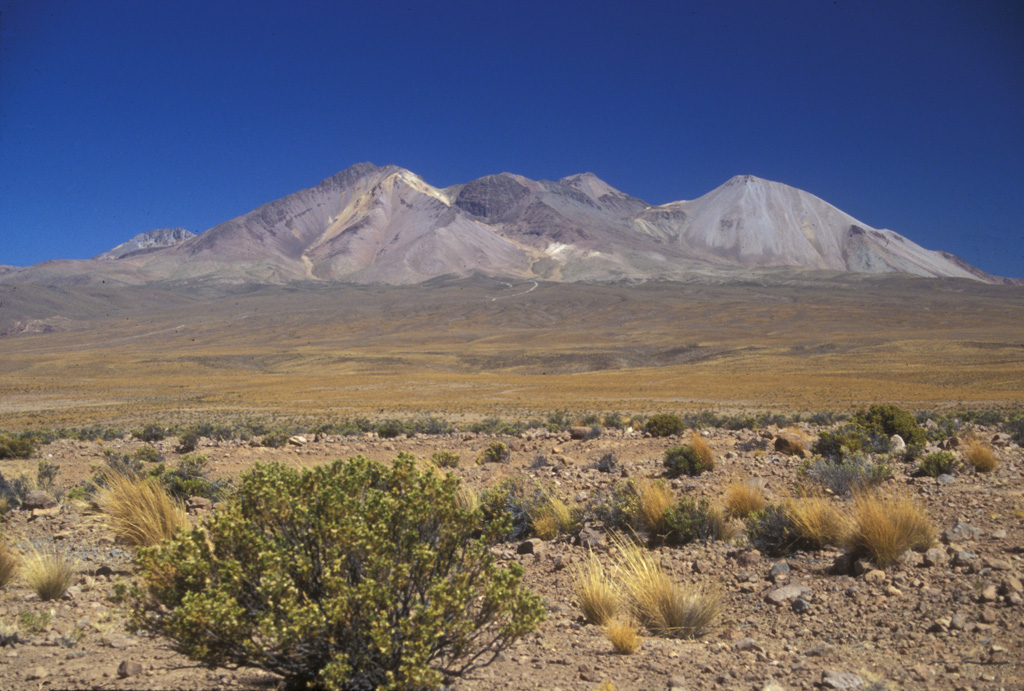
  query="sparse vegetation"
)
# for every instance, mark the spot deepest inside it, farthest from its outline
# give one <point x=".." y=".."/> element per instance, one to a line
<point x="49" y="572"/>
<point x="15" y="447"/>
<point x="138" y="510"/>
<point x="445" y="459"/>
<point x="646" y="503"/>
<point x="686" y="460"/>
<point x="884" y="526"/>
<point x="597" y="593"/>
<point x="8" y="564"/>
<point x="886" y="419"/>
<point x="743" y="498"/>
<point x="624" y="635"/>
<point x="981" y="456"/>
<point x="848" y="473"/>
<point x="664" y="606"/>
<point x="938" y="463"/>
<point x="496" y="452"/>
<point x="410" y="595"/>
<point x="690" y="520"/>
<point x="816" y="521"/>
<point x="664" y="425"/>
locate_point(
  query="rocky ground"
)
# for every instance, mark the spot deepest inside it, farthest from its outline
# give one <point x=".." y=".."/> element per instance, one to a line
<point x="953" y="620"/>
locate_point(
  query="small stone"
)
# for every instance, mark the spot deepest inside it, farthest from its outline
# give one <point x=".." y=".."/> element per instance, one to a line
<point x="961" y="532"/>
<point x="936" y="556"/>
<point x="958" y="622"/>
<point x="779" y="572"/>
<point x="38" y="672"/>
<point x="532" y="546"/>
<point x="38" y="500"/>
<point x="41" y="513"/>
<point x="861" y="567"/>
<point x="801" y="606"/>
<point x="832" y="679"/>
<point x="129" y="668"/>
<point x="701" y="566"/>
<point x="896" y="443"/>
<point x="941" y="624"/>
<point x="676" y="682"/>
<point x="790" y="444"/>
<point x="787" y="593"/>
<point x="999" y="534"/>
<point x="989" y="616"/>
<point x="997" y="564"/>
<point x="893" y="591"/>
<point x="748" y="557"/>
<point x="964" y="558"/>
<point x="921" y="672"/>
<point x="747" y="644"/>
<point x="590" y="537"/>
<point x="297" y="440"/>
<point x="946" y="479"/>
<point x="989" y="594"/>
<point x="874" y="576"/>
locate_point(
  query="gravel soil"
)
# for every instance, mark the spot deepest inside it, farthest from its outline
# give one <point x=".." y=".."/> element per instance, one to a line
<point x="954" y="621"/>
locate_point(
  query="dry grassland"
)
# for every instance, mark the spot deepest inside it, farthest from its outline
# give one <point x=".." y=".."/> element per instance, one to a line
<point x="479" y="347"/>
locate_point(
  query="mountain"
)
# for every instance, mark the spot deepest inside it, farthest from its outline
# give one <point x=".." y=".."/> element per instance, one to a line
<point x="150" y="240"/>
<point x="371" y="224"/>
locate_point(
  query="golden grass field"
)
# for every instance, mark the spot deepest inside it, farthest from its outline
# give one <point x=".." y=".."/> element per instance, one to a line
<point x="483" y="347"/>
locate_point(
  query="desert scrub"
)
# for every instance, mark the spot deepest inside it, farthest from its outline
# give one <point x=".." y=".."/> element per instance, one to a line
<point x="597" y="593"/>
<point x="496" y="452"/>
<point x="49" y="572"/>
<point x="274" y="439"/>
<point x="445" y="459"/>
<point x="743" y="498"/>
<point x="889" y="420"/>
<point x="15" y="447"/>
<point x="884" y="526"/>
<point x="686" y="460"/>
<point x="551" y="517"/>
<point x="638" y="504"/>
<point x="139" y="510"/>
<point x="802" y="523"/>
<point x="691" y="520"/>
<point x="847" y="473"/>
<point x="148" y="454"/>
<point x="981" y="457"/>
<point x="190" y="479"/>
<point x="353" y="575"/>
<point x="150" y="433"/>
<point x="665" y="607"/>
<point x="8" y="564"/>
<point x="664" y="425"/>
<point x="938" y="463"/>
<point x="624" y="635"/>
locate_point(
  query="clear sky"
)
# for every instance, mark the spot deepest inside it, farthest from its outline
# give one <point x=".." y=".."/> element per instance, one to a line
<point x="117" y="117"/>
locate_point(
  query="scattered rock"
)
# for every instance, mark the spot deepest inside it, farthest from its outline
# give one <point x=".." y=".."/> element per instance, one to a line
<point x="779" y="572"/>
<point x="790" y="444"/>
<point x="38" y="672"/>
<point x="129" y="668"/>
<point x="832" y="679"/>
<point x="579" y="432"/>
<point x="297" y="440"/>
<point x="896" y="443"/>
<point x="591" y="537"/>
<point x="788" y="593"/>
<point x="936" y="556"/>
<point x="801" y="606"/>
<point x="961" y="532"/>
<point x="37" y="500"/>
<point x="874" y="576"/>
<point x="532" y="546"/>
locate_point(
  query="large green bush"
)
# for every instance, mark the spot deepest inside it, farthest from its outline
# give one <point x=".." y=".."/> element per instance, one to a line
<point x="684" y="460"/>
<point x="354" y="575"/>
<point x="15" y="447"/>
<point x="889" y="419"/>
<point x="664" y="425"/>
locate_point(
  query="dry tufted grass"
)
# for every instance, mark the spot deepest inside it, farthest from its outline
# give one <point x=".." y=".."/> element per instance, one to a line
<point x="624" y="635"/>
<point x="49" y="573"/>
<point x="884" y="526"/>
<point x="815" y="519"/>
<point x="981" y="456"/>
<point x="599" y="598"/>
<point x="743" y="498"/>
<point x="8" y="564"/>
<point x="653" y="500"/>
<point x="700" y="445"/>
<point x="139" y="511"/>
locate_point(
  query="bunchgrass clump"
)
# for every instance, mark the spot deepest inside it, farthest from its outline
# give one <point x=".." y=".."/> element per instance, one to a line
<point x="884" y="526"/>
<point x="703" y="450"/>
<point x="651" y="499"/>
<point x="49" y="572"/>
<point x="665" y="607"/>
<point x="815" y="521"/>
<point x="139" y="510"/>
<point x="981" y="456"/>
<point x="690" y="520"/>
<point x="624" y="635"/>
<point x="551" y="517"/>
<point x="743" y="498"/>
<point x="597" y="593"/>
<point x="8" y="564"/>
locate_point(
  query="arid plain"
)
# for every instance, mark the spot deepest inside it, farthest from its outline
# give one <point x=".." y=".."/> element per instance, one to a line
<point x="486" y="347"/>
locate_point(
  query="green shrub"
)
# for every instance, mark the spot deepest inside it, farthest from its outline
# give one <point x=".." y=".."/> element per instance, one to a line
<point x="389" y="429"/>
<point x="690" y="520"/>
<point x="510" y="502"/>
<point x="147" y="454"/>
<point x="938" y="463"/>
<point x="772" y="532"/>
<point x="847" y="474"/>
<point x="150" y="433"/>
<point x="352" y="575"/>
<point x="1014" y="426"/>
<point x="889" y="420"/>
<point x="496" y="452"/>
<point x="188" y="441"/>
<point x="189" y="479"/>
<point x="684" y="460"/>
<point x="275" y="439"/>
<point x="445" y="459"/>
<point x="664" y="425"/>
<point x="15" y="447"/>
<point x="835" y="443"/>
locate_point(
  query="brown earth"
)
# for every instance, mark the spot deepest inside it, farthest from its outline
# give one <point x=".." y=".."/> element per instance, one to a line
<point x="482" y="347"/>
<point x="950" y="626"/>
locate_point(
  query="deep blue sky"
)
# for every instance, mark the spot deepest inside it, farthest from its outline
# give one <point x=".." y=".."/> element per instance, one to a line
<point x="120" y="117"/>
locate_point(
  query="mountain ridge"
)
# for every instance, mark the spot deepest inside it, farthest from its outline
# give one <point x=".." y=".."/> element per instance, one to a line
<point x="370" y="224"/>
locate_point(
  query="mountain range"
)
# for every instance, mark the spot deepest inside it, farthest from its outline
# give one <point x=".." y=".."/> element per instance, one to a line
<point x="371" y="224"/>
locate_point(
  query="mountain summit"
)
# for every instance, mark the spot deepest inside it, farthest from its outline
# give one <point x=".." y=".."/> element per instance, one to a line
<point x="371" y="224"/>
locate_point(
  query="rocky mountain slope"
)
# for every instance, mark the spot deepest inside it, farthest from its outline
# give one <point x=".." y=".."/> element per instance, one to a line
<point x="371" y="224"/>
